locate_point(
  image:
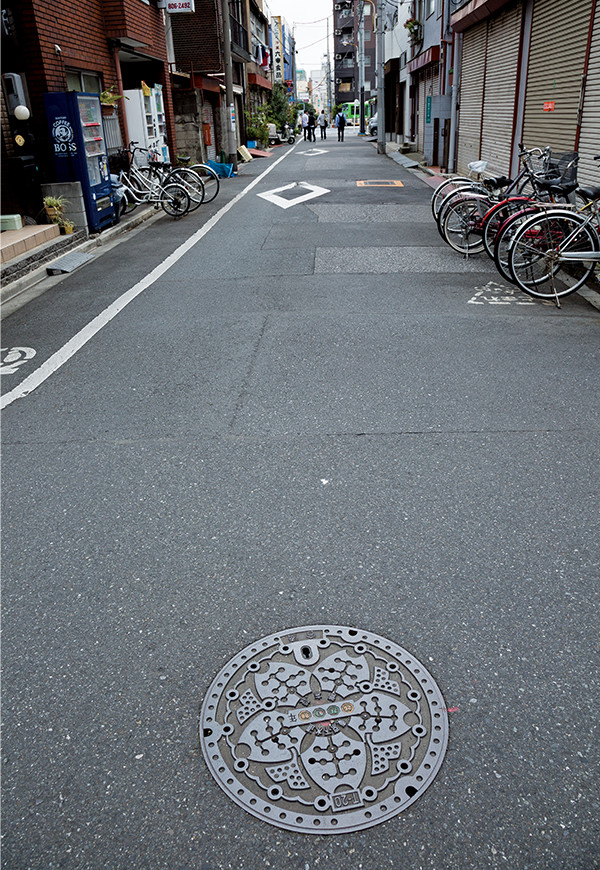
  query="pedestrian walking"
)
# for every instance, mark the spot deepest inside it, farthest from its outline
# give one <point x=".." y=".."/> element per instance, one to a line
<point x="340" y="124"/>
<point x="311" y="128"/>
<point x="322" y="122"/>
<point x="305" y="123"/>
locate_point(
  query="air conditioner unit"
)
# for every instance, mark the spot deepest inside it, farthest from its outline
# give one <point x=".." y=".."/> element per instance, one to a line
<point x="338" y="57"/>
<point x="338" y="32"/>
<point x="338" y="6"/>
<point x="338" y="81"/>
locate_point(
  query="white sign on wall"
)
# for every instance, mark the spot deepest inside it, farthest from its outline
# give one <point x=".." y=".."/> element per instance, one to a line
<point x="181" y="6"/>
<point x="277" y="37"/>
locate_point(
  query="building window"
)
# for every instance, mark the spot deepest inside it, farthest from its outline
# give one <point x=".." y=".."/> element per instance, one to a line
<point x="86" y="82"/>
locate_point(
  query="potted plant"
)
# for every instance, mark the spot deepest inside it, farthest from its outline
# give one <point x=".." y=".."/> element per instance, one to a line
<point x="66" y="226"/>
<point x="414" y="29"/>
<point x="55" y="208"/>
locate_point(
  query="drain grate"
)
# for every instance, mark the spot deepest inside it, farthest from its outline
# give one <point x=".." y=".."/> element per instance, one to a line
<point x="324" y="729"/>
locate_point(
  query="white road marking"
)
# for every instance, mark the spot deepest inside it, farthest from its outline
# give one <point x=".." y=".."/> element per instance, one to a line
<point x="498" y="294"/>
<point x="314" y="151"/>
<point x="58" y="359"/>
<point x="313" y="192"/>
<point x="15" y="357"/>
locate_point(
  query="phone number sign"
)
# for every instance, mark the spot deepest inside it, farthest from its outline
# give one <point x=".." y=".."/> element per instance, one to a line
<point x="180" y="6"/>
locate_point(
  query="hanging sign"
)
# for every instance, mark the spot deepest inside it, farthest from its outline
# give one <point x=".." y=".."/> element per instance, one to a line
<point x="181" y="6"/>
<point x="277" y="48"/>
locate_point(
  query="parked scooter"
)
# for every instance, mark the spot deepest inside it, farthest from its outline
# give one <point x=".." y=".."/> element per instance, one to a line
<point x="286" y="135"/>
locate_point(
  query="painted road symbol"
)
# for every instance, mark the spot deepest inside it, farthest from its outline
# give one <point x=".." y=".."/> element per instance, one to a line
<point x="313" y="192"/>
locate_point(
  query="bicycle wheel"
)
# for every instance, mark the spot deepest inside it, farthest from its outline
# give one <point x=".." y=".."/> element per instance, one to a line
<point x="210" y="179"/>
<point x="192" y="182"/>
<point x="496" y="217"/>
<point x="175" y="200"/>
<point x="457" y="196"/>
<point x="461" y="226"/>
<point x="535" y="256"/>
<point x="450" y="185"/>
<point x="504" y="237"/>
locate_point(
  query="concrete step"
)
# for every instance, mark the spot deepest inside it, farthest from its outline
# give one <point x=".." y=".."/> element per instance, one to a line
<point x="17" y="243"/>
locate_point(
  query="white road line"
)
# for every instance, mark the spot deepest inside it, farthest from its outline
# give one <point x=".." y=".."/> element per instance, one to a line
<point x="58" y="359"/>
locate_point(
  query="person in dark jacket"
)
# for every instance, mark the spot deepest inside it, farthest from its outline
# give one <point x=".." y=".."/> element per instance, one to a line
<point x="311" y="128"/>
<point x="340" y="123"/>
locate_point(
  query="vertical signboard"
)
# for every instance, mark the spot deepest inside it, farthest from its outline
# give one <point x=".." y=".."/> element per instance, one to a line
<point x="277" y="48"/>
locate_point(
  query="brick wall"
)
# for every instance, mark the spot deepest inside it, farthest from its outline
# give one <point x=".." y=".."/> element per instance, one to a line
<point x="197" y="38"/>
<point x="82" y="30"/>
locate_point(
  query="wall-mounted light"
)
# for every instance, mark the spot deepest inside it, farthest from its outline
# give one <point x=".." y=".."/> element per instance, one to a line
<point x="22" y="113"/>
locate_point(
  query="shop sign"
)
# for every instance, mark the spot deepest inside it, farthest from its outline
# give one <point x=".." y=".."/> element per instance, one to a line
<point x="550" y="106"/>
<point x="181" y="6"/>
<point x="277" y="48"/>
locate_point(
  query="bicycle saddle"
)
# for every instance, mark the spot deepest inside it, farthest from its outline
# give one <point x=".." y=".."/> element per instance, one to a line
<point x="497" y="182"/>
<point x="591" y="193"/>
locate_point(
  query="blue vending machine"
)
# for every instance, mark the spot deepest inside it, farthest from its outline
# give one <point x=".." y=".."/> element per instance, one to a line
<point x="79" y="145"/>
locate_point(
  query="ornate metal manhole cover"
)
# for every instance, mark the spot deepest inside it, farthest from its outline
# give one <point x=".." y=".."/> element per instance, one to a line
<point x="324" y="729"/>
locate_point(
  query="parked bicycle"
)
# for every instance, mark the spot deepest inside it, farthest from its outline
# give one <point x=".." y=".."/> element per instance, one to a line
<point x="144" y="170"/>
<point x="469" y="219"/>
<point x="162" y="193"/>
<point x="557" y="250"/>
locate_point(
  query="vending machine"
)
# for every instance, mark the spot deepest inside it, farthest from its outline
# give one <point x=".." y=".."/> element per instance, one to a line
<point x="79" y="146"/>
<point x="146" y="122"/>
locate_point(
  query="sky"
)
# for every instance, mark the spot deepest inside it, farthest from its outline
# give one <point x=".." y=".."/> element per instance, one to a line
<point x="309" y="20"/>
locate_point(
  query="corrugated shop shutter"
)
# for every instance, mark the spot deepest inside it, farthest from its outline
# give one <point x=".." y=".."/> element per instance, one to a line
<point x="471" y="95"/>
<point x="589" y="142"/>
<point x="501" y="66"/>
<point x="556" y="60"/>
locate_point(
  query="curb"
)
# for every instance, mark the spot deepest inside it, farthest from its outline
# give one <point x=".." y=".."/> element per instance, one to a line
<point x="13" y="289"/>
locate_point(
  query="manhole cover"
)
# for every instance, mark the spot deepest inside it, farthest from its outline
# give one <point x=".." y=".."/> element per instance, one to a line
<point x="324" y="729"/>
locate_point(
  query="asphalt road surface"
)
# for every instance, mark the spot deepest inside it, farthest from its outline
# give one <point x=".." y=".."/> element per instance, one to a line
<point x="315" y="414"/>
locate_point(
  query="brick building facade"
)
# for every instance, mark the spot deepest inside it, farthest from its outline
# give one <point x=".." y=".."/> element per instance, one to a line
<point x="88" y="46"/>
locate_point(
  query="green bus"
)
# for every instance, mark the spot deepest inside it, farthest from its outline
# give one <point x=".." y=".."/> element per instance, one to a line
<point x="352" y="111"/>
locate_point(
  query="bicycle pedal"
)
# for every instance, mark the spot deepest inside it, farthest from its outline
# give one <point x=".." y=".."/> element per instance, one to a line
<point x="156" y="206"/>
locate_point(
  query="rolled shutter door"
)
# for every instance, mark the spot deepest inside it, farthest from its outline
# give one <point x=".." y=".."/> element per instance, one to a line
<point x="589" y="141"/>
<point x="471" y="95"/>
<point x="501" y="66"/>
<point x="559" y="34"/>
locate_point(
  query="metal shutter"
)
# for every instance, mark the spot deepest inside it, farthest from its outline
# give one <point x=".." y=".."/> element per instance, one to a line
<point x="589" y="142"/>
<point x="556" y="60"/>
<point x="471" y="95"/>
<point x="501" y="67"/>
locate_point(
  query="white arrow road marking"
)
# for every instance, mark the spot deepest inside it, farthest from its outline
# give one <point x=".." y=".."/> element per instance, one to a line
<point x="313" y="192"/>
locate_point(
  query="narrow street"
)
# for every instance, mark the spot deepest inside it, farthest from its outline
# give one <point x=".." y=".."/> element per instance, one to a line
<point x="317" y="414"/>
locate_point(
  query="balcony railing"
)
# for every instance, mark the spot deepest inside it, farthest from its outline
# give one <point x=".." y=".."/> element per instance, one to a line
<point x="239" y="38"/>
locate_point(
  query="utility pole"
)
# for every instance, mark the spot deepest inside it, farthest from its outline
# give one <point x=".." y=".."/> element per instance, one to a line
<point x="231" y="137"/>
<point x="329" y="100"/>
<point x="361" y="64"/>
<point x="380" y="82"/>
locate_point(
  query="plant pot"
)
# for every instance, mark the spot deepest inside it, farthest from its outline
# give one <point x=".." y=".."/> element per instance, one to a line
<point x="52" y="213"/>
<point x="66" y="231"/>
